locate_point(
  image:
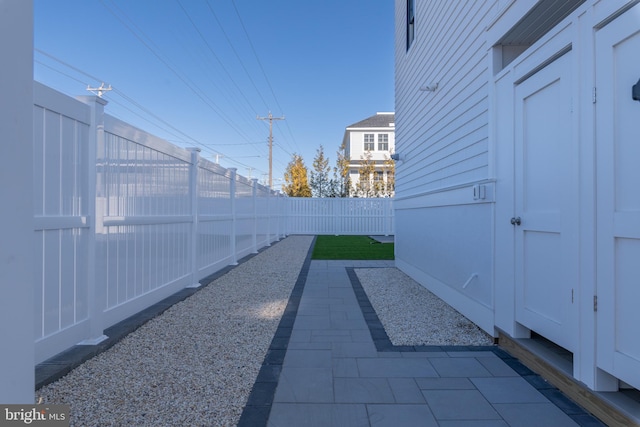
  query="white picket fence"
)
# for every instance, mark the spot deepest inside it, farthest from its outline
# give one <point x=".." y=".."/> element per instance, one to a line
<point x="124" y="219"/>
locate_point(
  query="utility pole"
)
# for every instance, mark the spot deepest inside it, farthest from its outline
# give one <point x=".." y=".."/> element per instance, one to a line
<point x="271" y="119"/>
<point x="101" y="90"/>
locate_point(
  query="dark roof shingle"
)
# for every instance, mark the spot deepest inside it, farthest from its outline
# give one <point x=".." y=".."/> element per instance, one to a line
<point x="380" y="120"/>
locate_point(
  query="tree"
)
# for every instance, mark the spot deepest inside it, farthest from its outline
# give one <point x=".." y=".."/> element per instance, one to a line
<point x="389" y="168"/>
<point x="341" y="183"/>
<point x="367" y="185"/>
<point x="295" y="178"/>
<point x="320" y="184"/>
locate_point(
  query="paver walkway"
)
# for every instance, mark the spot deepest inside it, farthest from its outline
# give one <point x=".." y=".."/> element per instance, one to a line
<point x="339" y="369"/>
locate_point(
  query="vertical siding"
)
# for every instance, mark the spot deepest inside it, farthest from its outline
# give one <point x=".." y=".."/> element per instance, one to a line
<point x="442" y="136"/>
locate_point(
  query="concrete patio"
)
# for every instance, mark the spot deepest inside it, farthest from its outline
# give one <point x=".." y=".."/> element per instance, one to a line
<point x="331" y="364"/>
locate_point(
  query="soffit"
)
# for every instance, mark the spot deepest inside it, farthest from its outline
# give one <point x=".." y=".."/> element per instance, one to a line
<point x="545" y="15"/>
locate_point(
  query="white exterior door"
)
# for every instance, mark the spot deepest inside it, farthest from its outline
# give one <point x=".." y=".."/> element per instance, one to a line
<point x="618" y="197"/>
<point x="546" y="223"/>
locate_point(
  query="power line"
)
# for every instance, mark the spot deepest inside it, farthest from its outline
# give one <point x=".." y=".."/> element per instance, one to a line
<point x="237" y="55"/>
<point x="204" y="40"/>
<point x="255" y="54"/>
<point x="115" y="90"/>
<point x="78" y="70"/>
<point x="192" y="140"/>
<point x="192" y="86"/>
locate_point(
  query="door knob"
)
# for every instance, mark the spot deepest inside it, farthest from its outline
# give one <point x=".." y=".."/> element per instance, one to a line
<point x="516" y="221"/>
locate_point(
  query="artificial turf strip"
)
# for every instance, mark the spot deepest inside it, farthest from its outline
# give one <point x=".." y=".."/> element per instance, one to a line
<point x="351" y="247"/>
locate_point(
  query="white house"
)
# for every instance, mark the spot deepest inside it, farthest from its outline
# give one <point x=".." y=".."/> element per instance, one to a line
<point x="374" y="136"/>
<point x="517" y="186"/>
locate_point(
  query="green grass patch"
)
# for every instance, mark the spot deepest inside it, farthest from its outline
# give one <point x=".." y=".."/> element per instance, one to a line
<point x="351" y="247"/>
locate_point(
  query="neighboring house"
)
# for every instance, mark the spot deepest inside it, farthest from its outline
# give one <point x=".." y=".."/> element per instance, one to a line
<point x="517" y="181"/>
<point x="371" y="141"/>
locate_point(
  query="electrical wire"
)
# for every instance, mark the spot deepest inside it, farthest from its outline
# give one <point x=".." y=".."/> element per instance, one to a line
<point x="237" y="55"/>
<point x="198" y="92"/>
<point x="255" y="54"/>
<point x="205" y="147"/>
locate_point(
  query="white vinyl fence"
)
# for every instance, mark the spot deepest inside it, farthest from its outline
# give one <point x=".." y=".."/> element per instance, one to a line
<point x="340" y="216"/>
<point x="124" y="219"/>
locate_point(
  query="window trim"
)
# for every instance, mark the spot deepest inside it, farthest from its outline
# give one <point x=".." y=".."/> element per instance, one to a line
<point x="411" y="22"/>
<point x="383" y="138"/>
<point x="370" y="138"/>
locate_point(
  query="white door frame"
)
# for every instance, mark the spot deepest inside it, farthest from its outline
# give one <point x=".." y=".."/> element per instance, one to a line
<point x="546" y="229"/>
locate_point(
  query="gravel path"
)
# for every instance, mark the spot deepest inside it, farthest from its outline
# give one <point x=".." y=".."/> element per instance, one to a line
<point x="412" y="315"/>
<point x="195" y="364"/>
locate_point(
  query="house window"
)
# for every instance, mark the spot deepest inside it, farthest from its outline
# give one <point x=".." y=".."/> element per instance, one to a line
<point x="383" y="142"/>
<point x="378" y="176"/>
<point x="369" y="142"/>
<point x="411" y="20"/>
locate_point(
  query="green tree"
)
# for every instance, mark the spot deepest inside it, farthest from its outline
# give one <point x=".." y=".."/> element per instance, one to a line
<point x="389" y="168"/>
<point x="367" y="184"/>
<point x="341" y="183"/>
<point x="320" y="183"/>
<point x="295" y="178"/>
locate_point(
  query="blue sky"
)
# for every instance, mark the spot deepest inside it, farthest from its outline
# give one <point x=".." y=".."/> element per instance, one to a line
<point x="206" y="68"/>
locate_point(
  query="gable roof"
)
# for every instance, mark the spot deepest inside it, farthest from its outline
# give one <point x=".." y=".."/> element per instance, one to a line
<point x="380" y="120"/>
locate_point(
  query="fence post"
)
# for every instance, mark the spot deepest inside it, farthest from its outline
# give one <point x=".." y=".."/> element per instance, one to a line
<point x="279" y="234"/>
<point x="234" y="214"/>
<point x="283" y="214"/>
<point x="269" y="217"/>
<point x="96" y="293"/>
<point x="254" y="194"/>
<point x="193" y="192"/>
<point x="286" y="212"/>
<point x="389" y="218"/>
<point x="16" y="192"/>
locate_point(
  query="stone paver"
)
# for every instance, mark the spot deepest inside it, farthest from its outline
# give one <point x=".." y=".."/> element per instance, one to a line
<point x="340" y="369"/>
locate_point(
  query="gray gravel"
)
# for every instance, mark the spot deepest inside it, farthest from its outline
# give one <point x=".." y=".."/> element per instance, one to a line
<point x="412" y="315"/>
<point x="196" y="363"/>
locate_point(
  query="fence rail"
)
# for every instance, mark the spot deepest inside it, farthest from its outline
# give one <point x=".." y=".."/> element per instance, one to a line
<point x="124" y="219"/>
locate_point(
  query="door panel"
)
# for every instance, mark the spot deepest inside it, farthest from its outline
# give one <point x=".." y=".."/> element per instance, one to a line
<point x="618" y="201"/>
<point x="546" y="200"/>
<point x="542" y="257"/>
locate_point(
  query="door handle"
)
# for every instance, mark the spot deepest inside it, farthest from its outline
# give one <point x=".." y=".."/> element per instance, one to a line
<point x="516" y="220"/>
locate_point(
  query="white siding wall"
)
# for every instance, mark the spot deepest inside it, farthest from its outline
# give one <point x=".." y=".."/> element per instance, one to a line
<point x="463" y="165"/>
<point x="442" y="135"/>
<point x="443" y="232"/>
<point x="357" y="144"/>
